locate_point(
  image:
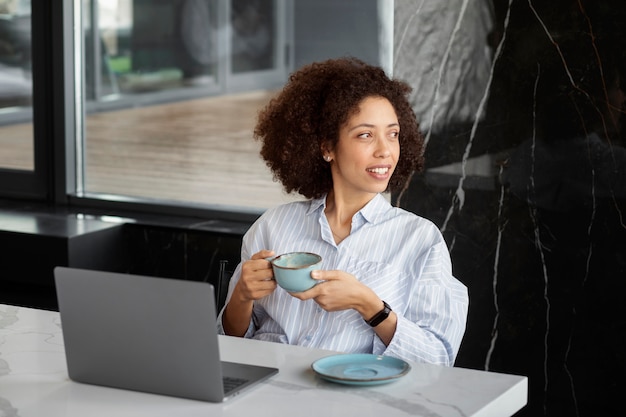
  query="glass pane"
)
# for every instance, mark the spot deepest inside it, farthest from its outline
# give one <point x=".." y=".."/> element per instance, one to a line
<point x="144" y="46"/>
<point x="252" y="32"/>
<point x="199" y="151"/>
<point x="169" y="134"/>
<point x="16" y="129"/>
<point x="174" y="88"/>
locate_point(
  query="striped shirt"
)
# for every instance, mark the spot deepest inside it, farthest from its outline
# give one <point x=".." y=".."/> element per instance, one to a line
<point x="402" y="257"/>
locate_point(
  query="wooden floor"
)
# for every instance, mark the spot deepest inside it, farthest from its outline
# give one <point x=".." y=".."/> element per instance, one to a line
<point x="200" y="150"/>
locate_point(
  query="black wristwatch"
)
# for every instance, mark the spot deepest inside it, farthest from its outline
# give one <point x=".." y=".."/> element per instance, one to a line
<point x="380" y="316"/>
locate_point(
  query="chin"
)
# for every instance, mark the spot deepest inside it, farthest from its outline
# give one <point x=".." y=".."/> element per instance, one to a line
<point x="379" y="190"/>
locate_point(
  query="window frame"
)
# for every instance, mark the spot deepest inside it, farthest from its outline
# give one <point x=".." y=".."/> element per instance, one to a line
<point x="35" y="184"/>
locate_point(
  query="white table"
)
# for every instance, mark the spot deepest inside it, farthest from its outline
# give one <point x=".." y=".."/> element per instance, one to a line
<point x="34" y="383"/>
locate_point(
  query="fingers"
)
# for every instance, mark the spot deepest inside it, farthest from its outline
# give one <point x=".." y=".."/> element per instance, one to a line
<point x="256" y="270"/>
<point x="324" y="275"/>
<point x="308" y="294"/>
<point x="255" y="289"/>
<point x="321" y="295"/>
<point x="337" y="290"/>
<point x="317" y="274"/>
<point x="256" y="279"/>
<point x="258" y="266"/>
<point x="265" y="253"/>
<point x="317" y="290"/>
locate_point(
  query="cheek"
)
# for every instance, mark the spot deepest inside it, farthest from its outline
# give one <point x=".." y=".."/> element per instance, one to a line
<point x="395" y="149"/>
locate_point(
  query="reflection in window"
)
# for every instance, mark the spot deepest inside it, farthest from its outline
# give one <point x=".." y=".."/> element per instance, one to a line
<point x="16" y="133"/>
<point x="160" y="122"/>
<point x="149" y="45"/>
<point x="173" y="89"/>
<point x="252" y="33"/>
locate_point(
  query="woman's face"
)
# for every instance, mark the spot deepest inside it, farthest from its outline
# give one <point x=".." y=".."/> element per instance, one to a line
<point x="368" y="148"/>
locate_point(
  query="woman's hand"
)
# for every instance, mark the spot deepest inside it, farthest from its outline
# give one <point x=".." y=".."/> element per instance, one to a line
<point x="341" y="291"/>
<point x="257" y="278"/>
<point x="256" y="281"/>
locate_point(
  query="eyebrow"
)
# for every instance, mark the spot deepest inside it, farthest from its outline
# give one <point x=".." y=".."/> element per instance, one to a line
<point x="368" y="125"/>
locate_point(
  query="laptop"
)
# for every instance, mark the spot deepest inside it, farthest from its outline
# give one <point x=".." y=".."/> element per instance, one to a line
<point x="147" y="334"/>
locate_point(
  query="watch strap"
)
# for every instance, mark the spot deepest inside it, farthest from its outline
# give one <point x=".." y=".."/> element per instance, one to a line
<point x="380" y="316"/>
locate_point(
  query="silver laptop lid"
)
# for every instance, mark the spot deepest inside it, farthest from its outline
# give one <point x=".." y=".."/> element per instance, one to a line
<point x="140" y="333"/>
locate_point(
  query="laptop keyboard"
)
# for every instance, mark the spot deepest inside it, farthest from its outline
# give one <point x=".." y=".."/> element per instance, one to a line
<point x="230" y="383"/>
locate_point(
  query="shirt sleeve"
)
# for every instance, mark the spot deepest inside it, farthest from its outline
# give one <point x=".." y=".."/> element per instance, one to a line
<point x="271" y="333"/>
<point x="432" y="326"/>
<point x="231" y="286"/>
<point x="246" y="253"/>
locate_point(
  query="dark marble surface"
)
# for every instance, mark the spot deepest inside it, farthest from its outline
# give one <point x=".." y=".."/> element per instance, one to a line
<point x="522" y="106"/>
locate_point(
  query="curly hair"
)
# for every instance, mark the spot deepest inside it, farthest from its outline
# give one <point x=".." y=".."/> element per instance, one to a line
<point x="315" y="103"/>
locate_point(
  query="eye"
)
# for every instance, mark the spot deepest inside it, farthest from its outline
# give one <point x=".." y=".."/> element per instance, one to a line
<point x="394" y="134"/>
<point x="364" y="135"/>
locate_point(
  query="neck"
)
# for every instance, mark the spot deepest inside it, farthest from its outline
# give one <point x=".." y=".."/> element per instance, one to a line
<point x="340" y="211"/>
<point x="346" y="206"/>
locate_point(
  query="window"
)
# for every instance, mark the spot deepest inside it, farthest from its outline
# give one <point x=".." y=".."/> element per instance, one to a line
<point x="153" y="102"/>
<point x="24" y="31"/>
<point x="172" y="91"/>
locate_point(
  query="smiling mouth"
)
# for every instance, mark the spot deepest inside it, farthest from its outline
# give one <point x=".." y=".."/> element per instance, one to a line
<point x="379" y="170"/>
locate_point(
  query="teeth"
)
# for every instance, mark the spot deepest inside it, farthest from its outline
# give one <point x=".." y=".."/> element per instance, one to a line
<point x="379" y="170"/>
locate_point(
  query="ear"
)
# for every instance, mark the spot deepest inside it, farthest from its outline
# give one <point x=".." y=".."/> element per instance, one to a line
<point x="326" y="147"/>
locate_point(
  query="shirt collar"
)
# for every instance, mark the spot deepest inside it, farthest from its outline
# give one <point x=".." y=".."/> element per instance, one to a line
<point x="316" y="203"/>
<point x="373" y="211"/>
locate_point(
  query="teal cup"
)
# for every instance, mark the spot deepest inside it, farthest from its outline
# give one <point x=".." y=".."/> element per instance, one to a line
<point x="292" y="271"/>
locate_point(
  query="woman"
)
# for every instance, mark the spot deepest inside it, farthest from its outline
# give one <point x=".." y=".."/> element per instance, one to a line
<point x="341" y="133"/>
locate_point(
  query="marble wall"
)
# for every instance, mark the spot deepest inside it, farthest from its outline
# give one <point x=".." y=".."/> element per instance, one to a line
<point x="521" y="103"/>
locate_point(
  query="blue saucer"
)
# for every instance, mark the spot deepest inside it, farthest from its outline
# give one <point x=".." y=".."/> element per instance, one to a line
<point x="360" y="368"/>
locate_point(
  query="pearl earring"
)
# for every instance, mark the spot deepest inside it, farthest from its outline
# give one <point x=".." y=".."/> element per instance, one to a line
<point x="327" y="158"/>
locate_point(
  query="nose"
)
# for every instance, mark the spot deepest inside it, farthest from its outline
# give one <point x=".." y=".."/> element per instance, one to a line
<point x="383" y="149"/>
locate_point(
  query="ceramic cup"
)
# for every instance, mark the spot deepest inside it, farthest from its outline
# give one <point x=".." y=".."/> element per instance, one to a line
<point x="292" y="271"/>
